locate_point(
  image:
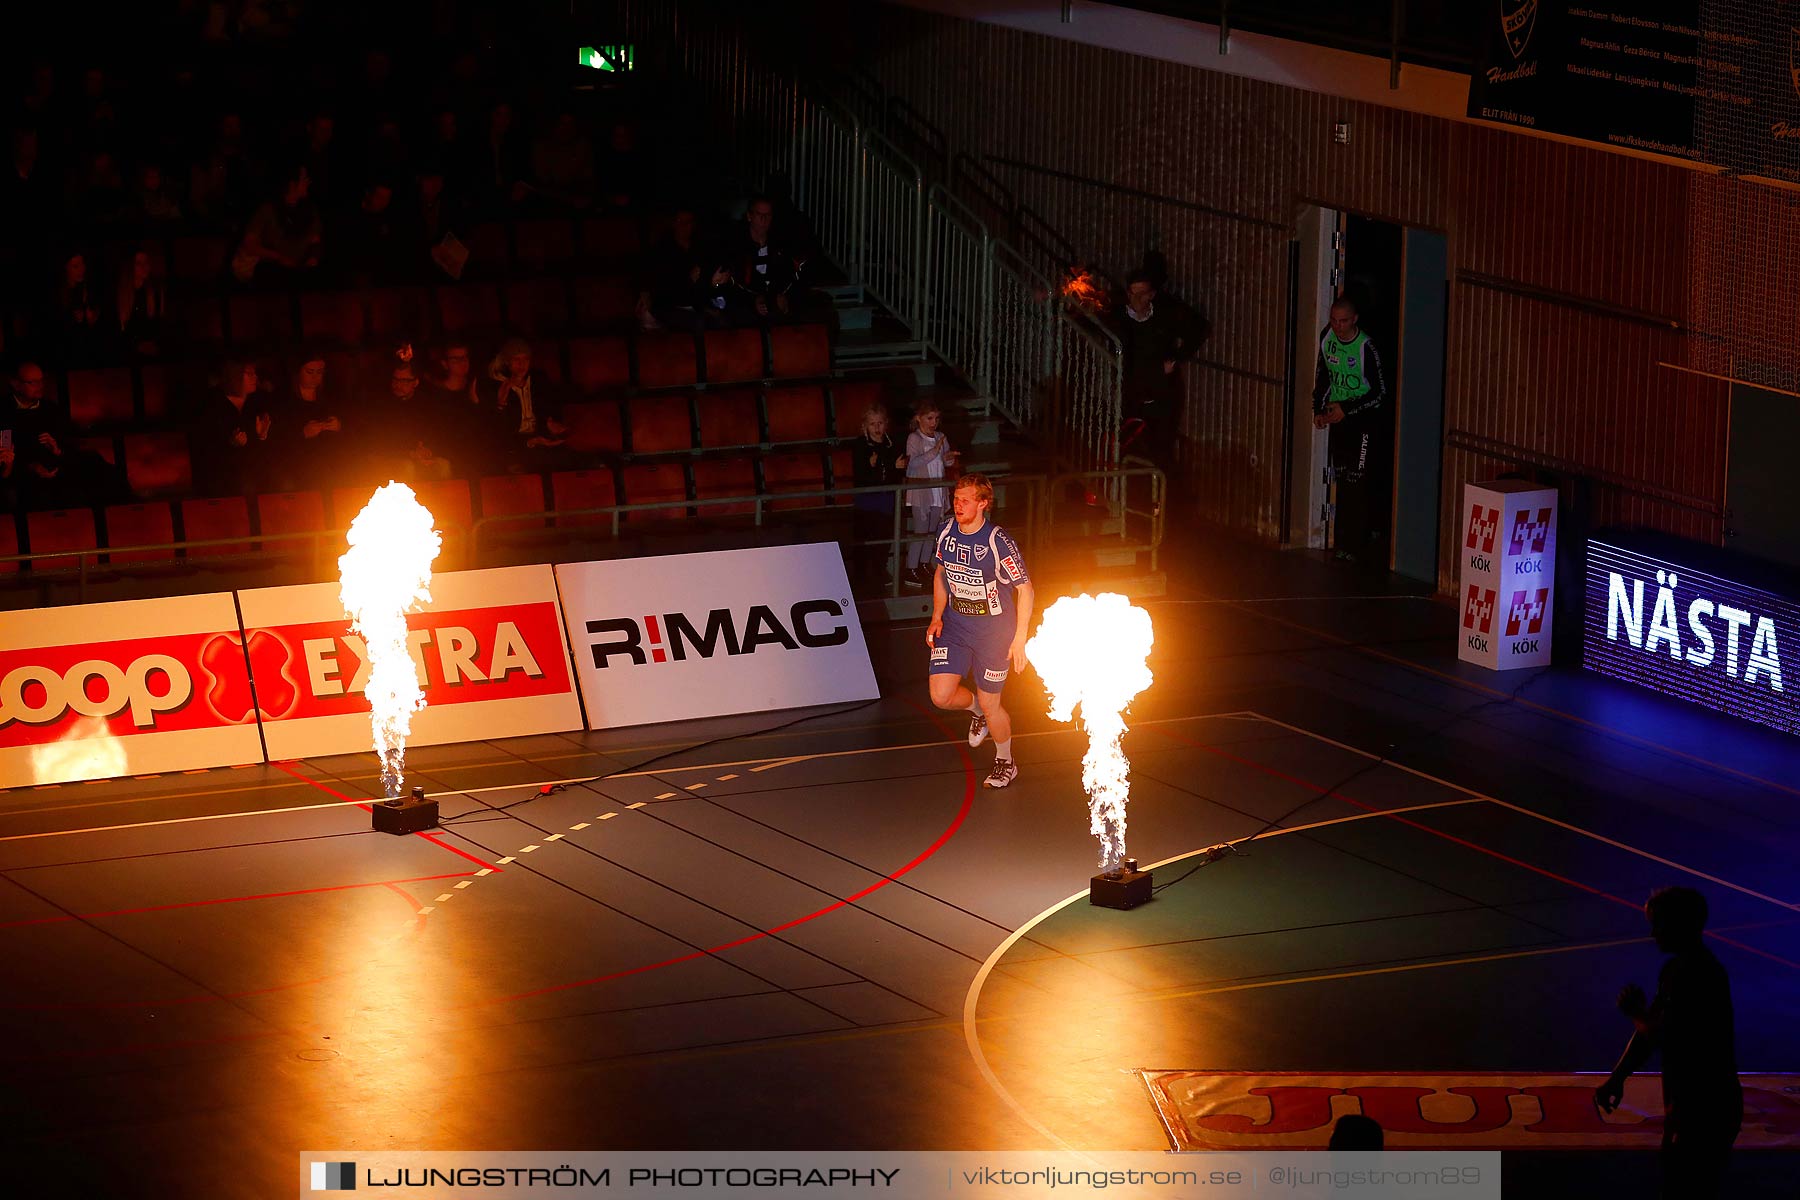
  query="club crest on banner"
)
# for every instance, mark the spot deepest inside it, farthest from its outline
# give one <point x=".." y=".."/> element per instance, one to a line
<point x="1517" y="20"/>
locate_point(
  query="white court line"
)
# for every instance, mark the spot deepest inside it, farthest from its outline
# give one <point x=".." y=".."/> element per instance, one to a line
<point x="255" y="812"/>
<point x="1587" y="833"/>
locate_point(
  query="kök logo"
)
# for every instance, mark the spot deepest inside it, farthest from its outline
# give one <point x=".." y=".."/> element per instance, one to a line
<point x="1528" y="534"/>
<point x="1517" y="20"/>
<point x="1484" y="522"/>
<point x="1526" y="612"/>
<point x="1478" y="609"/>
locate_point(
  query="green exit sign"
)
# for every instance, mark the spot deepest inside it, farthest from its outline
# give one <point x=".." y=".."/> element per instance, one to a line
<point x="606" y="58"/>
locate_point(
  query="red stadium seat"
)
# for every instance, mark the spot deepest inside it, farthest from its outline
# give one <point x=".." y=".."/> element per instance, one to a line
<point x="139" y="525"/>
<point x="101" y="397"/>
<point x="599" y="364"/>
<point x="546" y="357"/>
<point x="547" y="242"/>
<point x="347" y="501"/>
<point x="468" y="306"/>
<point x="610" y="239"/>
<point x="449" y="503"/>
<point x="63" y="530"/>
<point x="199" y="259"/>
<point x="291" y="512"/>
<point x="335" y="317"/>
<point x="843" y="474"/>
<point x="799" y="351"/>
<point x="661" y="425"/>
<point x="796" y="414"/>
<point x="728" y="419"/>
<point x="571" y="490"/>
<point x="258" y="318"/>
<point x="794" y="473"/>
<point x="513" y="496"/>
<point x="207" y="520"/>
<point x="720" y="477"/>
<point x="656" y="483"/>
<point x="734" y="355"/>
<point x="666" y="360"/>
<point x="848" y="403"/>
<point x="105" y="447"/>
<point x="488" y="251"/>
<point x="199" y="318"/>
<point x="156" y="464"/>
<point x="594" y="426"/>
<point x="604" y="301"/>
<point x="155" y="380"/>
<point x="537" y="306"/>
<point x="398" y="312"/>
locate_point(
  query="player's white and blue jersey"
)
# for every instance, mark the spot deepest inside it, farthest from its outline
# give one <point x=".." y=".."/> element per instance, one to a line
<point x="981" y="569"/>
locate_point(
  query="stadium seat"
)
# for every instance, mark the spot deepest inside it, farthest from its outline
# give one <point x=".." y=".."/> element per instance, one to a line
<point x="488" y="250"/>
<point x="61" y="530"/>
<point x="198" y="259"/>
<point x="105" y="447"/>
<point x="734" y="355"/>
<point x="794" y="473"/>
<point x="537" y="306"/>
<point x="139" y="525"/>
<point x="156" y="464"/>
<point x="291" y="512"/>
<point x="728" y="418"/>
<point x="848" y="403"/>
<point x="656" y="483"/>
<point x="260" y="318"/>
<point x="666" y="360"/>
<point x="207" y="520"/>
<point x="544" y="243"/>
<point x="101" y="397"/>
<point x="604" y="301"/>
<point x="399" y="312"/>
<point x="729" y="476"/>
<point x="547" y="358"/>
<point x="599" y="364"/>
<point x="661" y="424"/>
<point x="467" y="307"/>
<point x="571" y="490"/>
<point x="334" y="317"/>
<point x="514" y="496"/>
<point x="610" y="239"/>
<point x="797" y="414"/>
<point x="448" y="500"/>
<point x="201" y="319"/>
<point x="594" y="426"/>
<point x="843" y="475"/>
<point x="155" y="380"/>
<point x="799" y="351"/>
<point x="347" y="501"/>
<point x="9" y="543"/>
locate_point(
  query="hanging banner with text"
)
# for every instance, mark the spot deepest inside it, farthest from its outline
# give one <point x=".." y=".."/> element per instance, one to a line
<point x="704" y="635"/>
<point x="163" y="688"/>
<point x="489" y="651"/>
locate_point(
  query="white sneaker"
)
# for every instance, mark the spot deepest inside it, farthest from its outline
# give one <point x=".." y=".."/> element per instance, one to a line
<point x="1004" y="772"/>
<point x="977" y="729"/>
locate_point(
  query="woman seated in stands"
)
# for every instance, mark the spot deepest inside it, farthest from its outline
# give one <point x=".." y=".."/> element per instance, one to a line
<point x="140" y="303"/>
<point x="232" y="452"/>
<point x="311" y="428"/>
<point x="284" y="236"/>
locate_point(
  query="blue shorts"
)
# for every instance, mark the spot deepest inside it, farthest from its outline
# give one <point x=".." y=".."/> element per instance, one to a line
<point x="969" y="655"/>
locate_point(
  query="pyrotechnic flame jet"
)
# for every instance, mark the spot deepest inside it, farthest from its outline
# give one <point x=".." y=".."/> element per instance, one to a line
<point x="386" y="573"/>
<point x="1091" y="651"/>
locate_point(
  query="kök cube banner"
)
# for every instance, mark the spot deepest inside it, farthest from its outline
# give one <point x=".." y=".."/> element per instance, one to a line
<point x="489" y="651"/>
<point x="94" y="691"/>
<point x="704" y="635"/>
<point x="1506" y="576"/>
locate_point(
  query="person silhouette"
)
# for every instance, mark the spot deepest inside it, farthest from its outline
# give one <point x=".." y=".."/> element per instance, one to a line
<point x="1690" y="1022"/>
<point x="1354" y="1131"/>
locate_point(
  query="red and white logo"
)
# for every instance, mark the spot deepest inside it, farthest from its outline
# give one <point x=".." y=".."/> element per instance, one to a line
<point x="1478" y="609"/>
<point x="1529" y="533"/>
<point x="1527" y="611"/>
<point x="1484" y="523"/>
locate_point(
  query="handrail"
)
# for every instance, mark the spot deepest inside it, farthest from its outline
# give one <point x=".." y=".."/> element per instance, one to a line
<point x="1460" y="439"/>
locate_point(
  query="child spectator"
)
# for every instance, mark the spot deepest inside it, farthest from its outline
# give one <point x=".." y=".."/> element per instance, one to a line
<point x="928" y="453"/>
<point x="875" y="460"/>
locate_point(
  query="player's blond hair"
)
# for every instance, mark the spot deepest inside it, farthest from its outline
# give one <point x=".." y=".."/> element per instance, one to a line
<point x="981" y="485"/>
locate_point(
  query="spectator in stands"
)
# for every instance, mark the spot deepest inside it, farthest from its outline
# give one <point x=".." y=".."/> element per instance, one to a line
<point x="140" y="304"/>
<point x="98" y="197"/>
<point x="928" y="456"/>
<point x="284" y="234"/>
<point x="319" y="153"/>
<point x="524" y="411"/>
<point x="152" y="200"/>
<point x="436" y="213"/>
<point x="682" y="287"/>
<point x="765" y="273"/>
<point x="230" y="438"/>
<point x="311" y="431"/>
<point x="1156" y="336"/>
<point x="220" y="181"/>
<point x="75" y="318"/>
<point x="49" y="470"/>
<point x="372" y="246"/>
<point x="28" y="197"/>
<point x="409" y="434"/>
<point x="562" y="164"/>
<point x="876" y="460"/>
<point x="452" y="393"/>
<point x="504" y="161"/>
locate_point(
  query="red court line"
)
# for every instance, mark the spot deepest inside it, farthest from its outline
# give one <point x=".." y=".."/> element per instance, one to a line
<point x="331" y="791"/>
<point x="968" y="802"/>
<point x="313" y="891"/>
<point x="1450" y="837"/>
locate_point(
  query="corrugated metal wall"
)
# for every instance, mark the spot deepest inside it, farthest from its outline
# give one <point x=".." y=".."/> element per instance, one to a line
<point x="1571" y="271"/>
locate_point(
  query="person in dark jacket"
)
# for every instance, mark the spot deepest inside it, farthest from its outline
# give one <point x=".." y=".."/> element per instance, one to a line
<point x="231" y="435"/>
<point x="45" y="468"/>
<point x="681" y="281"/>
<point x="876" y="459"/>
<point x="1155" y="339"/>
<point x="1690" y="1022"/>
<point x="1350" y="398"/>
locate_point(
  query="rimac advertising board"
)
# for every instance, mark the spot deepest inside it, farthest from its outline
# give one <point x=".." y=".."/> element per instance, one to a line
<point x="96" y="691"/>
<point x="704" y="635"/>
<point x="489" y="652"/>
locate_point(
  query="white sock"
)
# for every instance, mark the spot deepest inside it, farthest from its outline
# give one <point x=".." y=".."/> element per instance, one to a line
<point x="1003" y="749"/>
<point x="975" y="705"/>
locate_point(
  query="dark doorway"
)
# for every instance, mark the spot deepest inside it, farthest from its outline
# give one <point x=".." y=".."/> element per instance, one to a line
<point x="1761" y="517"/>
